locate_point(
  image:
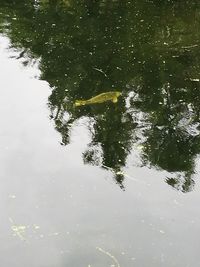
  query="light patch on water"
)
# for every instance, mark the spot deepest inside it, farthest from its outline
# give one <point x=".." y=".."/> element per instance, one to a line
<point x="12" y="196"/>
<point x="162" y="232"/>
<point x="36" y="227"/>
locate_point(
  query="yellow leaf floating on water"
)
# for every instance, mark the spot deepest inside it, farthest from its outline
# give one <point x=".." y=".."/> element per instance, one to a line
<point x="108" y="96"/>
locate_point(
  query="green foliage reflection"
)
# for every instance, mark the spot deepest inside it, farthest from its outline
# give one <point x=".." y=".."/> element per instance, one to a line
<point x="149" y="50"/>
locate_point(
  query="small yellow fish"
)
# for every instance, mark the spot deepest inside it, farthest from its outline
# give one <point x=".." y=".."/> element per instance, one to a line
<point x="112" y="96"/>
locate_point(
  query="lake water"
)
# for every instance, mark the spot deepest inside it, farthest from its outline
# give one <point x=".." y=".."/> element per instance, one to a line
<point x="105" y="184"/>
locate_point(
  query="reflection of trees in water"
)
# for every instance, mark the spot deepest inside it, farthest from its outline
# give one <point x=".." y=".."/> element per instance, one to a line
<point x="184" y="183"/>
<point x="90" y="47"/>
<point x="113" y="132"/>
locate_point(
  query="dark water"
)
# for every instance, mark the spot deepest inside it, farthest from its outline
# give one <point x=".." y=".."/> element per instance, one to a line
<point x="110" y="184"/>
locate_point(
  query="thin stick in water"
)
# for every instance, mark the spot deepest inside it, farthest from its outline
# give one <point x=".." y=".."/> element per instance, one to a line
<point x="109" y="255"/>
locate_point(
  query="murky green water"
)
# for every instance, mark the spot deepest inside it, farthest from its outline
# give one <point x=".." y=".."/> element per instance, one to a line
<point x="106" y="184"/>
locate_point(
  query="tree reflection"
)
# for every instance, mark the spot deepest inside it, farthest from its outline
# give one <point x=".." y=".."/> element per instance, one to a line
<point x="149" y="49"/>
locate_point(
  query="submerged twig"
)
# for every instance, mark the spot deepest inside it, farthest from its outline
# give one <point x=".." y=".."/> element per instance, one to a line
<point x="190" y="46"/>
<point x="109" y="255"/>
<point x="100" y="70"/>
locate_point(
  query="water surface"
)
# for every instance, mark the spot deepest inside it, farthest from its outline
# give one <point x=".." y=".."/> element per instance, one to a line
<point x="111" y="184"/>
